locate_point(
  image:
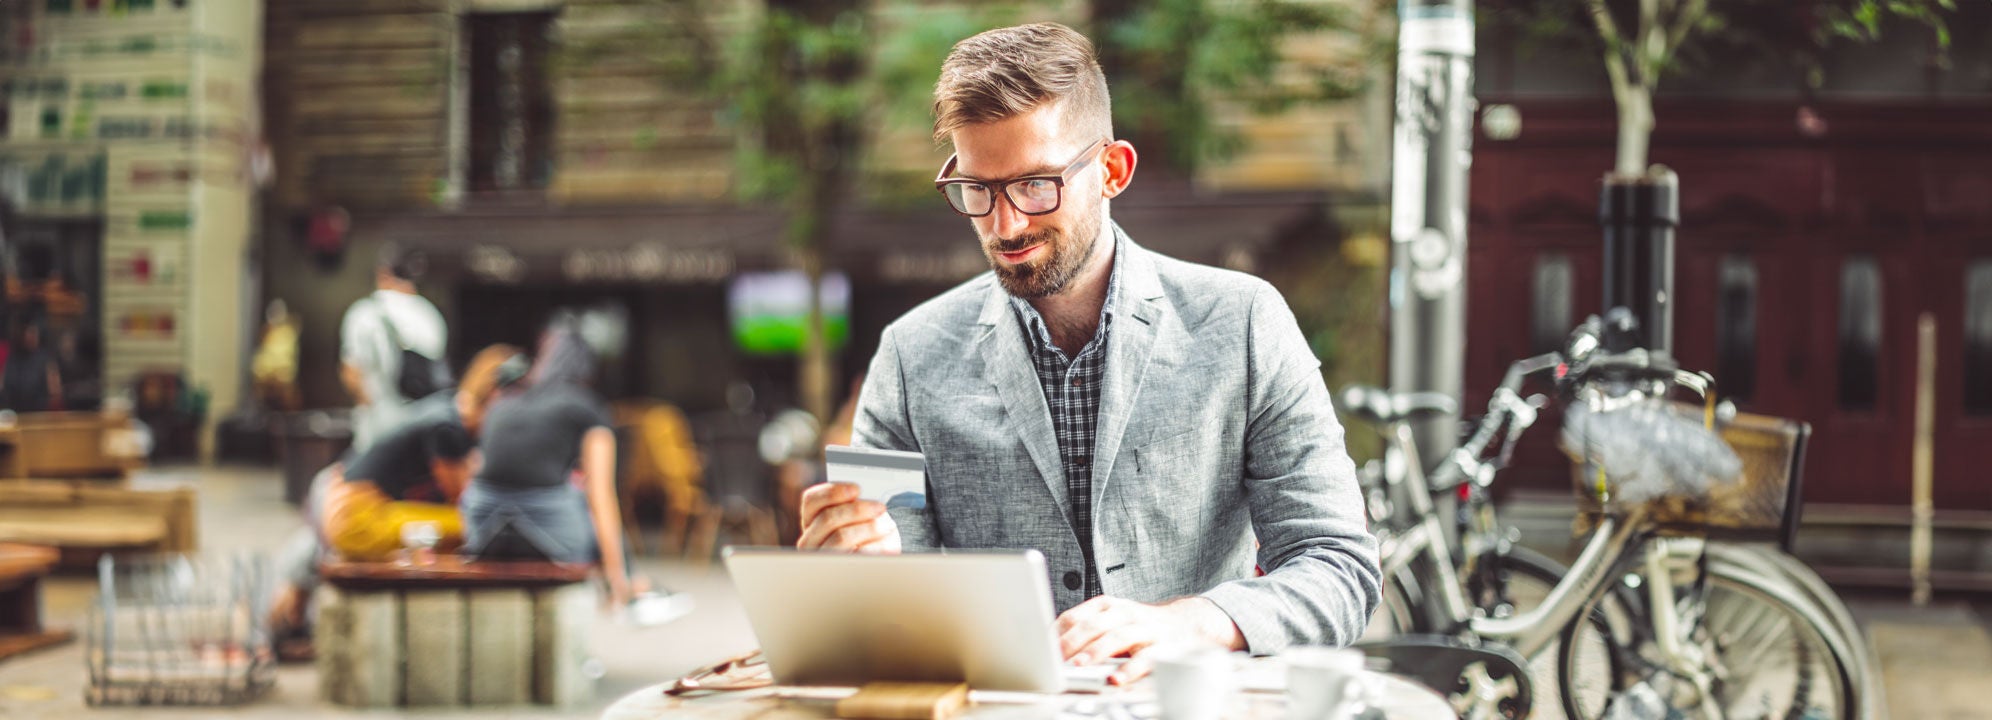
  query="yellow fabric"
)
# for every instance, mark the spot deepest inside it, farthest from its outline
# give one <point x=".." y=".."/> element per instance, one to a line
<point x="663" y="453"/>
<point x="361" y="523"/>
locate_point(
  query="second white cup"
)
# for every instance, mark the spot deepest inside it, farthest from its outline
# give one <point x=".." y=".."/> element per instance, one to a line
<point x="1325" y="683"/>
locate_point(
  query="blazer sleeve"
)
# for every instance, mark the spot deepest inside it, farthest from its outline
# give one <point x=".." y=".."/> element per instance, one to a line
<point x="1322" y="580"/>
<point x="884" y="422"/>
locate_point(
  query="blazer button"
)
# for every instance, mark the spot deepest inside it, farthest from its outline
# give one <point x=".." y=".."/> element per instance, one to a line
<point x="1072" y="580"/>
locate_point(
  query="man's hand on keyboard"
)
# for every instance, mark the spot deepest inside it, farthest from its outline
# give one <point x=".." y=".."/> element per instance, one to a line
<point x="1108" y="627"/>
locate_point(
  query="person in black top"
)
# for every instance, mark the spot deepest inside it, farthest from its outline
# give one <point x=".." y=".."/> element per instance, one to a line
<point x="414" y="472"/>
<point x="548" y="477"/>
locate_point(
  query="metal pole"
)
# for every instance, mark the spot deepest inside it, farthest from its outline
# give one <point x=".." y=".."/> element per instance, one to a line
<point x="1434" y="119"/>
<point x="1639" y="216"/>
<point x="1921" y="460"/>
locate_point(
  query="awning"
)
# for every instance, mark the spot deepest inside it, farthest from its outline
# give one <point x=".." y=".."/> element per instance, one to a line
<point x="694" y="245"/>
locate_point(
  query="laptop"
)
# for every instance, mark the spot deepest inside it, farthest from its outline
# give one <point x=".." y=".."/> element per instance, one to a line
<point x="836" y="619"/>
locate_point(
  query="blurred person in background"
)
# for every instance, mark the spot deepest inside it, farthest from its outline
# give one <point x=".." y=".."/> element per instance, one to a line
<point x="31" y="381"/>
<point x="548" y="479"/>
<point x="82" y="387"/>
<point x="274" y="366"/>
<point x="414" y="473"/>
<point x="375" y="330"/>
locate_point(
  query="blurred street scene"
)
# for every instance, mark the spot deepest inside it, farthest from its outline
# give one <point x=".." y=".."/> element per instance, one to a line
<point x="226" y="227"/>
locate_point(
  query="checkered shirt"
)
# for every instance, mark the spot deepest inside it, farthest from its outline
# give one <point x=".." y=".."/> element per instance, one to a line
<point x="1072" y="392"/>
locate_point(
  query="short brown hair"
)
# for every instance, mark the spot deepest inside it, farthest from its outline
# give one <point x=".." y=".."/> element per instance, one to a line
<point x="1007" y="72"/>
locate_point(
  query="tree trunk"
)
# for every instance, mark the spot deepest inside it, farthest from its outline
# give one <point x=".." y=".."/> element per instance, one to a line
<point x="813" y="380"/>
<point x="1635" y="131"/>
<point x="826" y="153"/>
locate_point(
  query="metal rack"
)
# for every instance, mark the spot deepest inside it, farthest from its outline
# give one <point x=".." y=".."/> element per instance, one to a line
<point x="177" y="630"/>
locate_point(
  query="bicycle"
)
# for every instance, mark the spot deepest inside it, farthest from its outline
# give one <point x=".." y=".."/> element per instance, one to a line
<point x="1482" y="656"/>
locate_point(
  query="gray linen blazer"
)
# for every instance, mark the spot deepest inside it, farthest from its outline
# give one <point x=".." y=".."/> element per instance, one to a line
<point x="1215" y="430"/>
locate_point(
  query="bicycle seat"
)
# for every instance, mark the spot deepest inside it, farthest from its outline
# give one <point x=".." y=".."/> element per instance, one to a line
<point x="1378" y="406"/>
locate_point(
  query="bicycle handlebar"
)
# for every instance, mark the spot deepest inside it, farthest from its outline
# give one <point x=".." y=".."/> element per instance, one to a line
<point x="1506" y="403"/>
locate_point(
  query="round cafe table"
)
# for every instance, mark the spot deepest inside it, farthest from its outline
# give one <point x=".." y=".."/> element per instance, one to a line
<point x="1396" y="697"/>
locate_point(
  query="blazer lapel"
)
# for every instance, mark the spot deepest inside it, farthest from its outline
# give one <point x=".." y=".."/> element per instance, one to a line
<point x="1008" y="362"/>
<point x="1130" y="343"/>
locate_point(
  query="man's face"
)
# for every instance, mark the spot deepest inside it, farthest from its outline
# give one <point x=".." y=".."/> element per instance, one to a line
<point x="1034" y="256"/>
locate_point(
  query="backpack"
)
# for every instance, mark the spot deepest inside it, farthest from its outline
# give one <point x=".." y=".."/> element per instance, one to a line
<point x="420" y="375"/>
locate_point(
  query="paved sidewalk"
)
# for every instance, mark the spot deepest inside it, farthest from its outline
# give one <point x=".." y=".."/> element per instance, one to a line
<point x="1936" y="660"/>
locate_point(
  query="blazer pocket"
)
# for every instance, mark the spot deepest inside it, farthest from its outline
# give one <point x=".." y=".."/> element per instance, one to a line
<point x="1166" y="454"/>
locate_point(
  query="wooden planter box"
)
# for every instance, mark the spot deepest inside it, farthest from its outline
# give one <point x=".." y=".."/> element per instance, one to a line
<point x="453" y="634"/>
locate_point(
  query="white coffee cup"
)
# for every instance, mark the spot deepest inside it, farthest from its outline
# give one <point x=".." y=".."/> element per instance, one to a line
<point x="1192" y="682"/>
<point x="1324" y="683"/>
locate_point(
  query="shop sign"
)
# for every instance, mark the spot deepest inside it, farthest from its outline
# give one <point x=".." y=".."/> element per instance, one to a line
<point x="492" y="263"/>
<point x="142" y="266"/>
<point x="146" y="324"/>
<point x="647" y="262"/>
<point x="901" y="267"/>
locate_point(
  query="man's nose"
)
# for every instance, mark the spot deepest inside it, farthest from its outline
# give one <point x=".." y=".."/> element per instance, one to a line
<point x="1007" y="220"/>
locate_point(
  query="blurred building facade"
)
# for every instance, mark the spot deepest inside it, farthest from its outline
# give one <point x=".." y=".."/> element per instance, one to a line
<point x="537" y="177"/>
<point x="1818" y="226"/>
<point x="127" y="169"/>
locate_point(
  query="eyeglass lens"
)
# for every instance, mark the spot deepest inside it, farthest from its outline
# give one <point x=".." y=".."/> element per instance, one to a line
<point x="1030" y="196"/>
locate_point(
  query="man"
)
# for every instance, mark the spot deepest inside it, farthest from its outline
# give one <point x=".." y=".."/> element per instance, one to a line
<point x="1138" y="419"/>
<point x="371" y="338"/>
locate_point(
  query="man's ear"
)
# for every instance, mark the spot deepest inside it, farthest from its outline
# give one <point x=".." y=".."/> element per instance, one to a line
<point x="1118" y="160"/>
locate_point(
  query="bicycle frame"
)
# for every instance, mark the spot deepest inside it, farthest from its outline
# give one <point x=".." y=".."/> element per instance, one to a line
<point x="1531" y="631"/>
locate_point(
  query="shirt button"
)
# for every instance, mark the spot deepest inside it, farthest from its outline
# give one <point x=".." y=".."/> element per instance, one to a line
<point x="1072" y="580"/>
<point x="1076" y="382"/>
<point x="1080" y="461"/>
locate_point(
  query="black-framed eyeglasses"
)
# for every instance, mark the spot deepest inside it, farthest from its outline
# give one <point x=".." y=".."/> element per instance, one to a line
<point x="1030" y="195"/>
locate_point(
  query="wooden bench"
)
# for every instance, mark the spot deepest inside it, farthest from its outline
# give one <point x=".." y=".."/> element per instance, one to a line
<point x="84" y="519"/>
<point x="69" y="445"/>
<point x="10" y="452"/>
<point x="453" y="633"/>
<point x="21" y="570"/>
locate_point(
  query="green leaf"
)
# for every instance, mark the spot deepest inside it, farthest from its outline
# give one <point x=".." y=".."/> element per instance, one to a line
<point x="1869" y="16"/>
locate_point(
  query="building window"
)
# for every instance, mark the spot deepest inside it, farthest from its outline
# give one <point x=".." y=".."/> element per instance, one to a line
<point x="511" y="102"/>
<point x="1736" y="327"/>
<point x="1549" y="313"/>
<point x="1860" y="333"/>
<point x="1978" y="338"/>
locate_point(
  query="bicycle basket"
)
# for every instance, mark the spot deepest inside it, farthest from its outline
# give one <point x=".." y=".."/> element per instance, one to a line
<point x="1764" y="504"/>
<point x="176" y="630"/>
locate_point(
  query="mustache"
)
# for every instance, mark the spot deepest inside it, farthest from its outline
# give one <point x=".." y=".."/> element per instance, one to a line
<point x="1021" y="242"/>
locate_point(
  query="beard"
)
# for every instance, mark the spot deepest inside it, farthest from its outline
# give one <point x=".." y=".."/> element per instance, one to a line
<point x="1048" y="274"/>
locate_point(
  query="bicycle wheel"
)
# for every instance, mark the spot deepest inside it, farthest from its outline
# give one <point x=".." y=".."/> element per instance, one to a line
<point x="1850" y="643"/>
<point x="1525" y="579"/>
<point x="1766" y="657"/>
<point x="1397" y="612"/>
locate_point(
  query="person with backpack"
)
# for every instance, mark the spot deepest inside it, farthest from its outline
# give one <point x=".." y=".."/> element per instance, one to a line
<point x="391" y="346"/>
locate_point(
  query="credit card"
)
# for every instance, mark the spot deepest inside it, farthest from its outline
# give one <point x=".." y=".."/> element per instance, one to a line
<point x="879" y="474"/>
